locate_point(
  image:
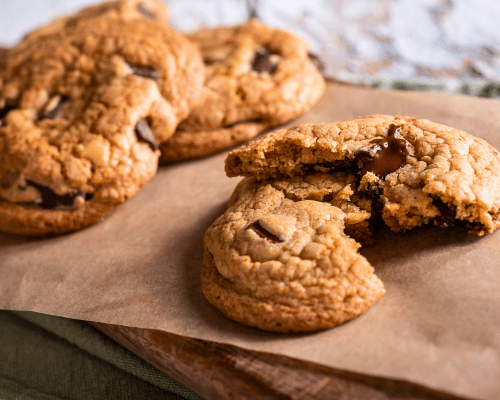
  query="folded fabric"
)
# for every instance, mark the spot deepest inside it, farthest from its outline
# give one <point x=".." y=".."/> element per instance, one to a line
<point x="47" y="358"/>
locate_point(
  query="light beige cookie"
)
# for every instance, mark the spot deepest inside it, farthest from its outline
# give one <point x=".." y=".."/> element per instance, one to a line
<point x="256" y="77"/>
<point x="281" y="262"/>
<point x="82" y="111"/>
<point x="420" y="172"/>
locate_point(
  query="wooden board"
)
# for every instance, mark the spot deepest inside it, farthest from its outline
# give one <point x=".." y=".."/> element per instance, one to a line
<point x="217" y="371"/>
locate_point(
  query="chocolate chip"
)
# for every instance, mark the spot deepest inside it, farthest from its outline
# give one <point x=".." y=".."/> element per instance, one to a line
<point x="145" y="72"/>
<point x="7" y="105"/>
<point x="263" y="62"/>
<point x="384" y="155"/>
<point x="318" y="63"/>
<point x="210" y="61"/>
<point x="344" y="165"/>
<point x="50" y="200"/>
<point x="54" y="107"/>
<point x="448" y="212"/>
<point x="263" y="233"/>
<point x="145" y="12"/>
<point x="144" y="134"/>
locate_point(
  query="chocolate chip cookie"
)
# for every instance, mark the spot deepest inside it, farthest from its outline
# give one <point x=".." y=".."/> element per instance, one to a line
<point x="279" y="259"/>
<point x="284" y="255"/>
<point x="420" y="172"/>
<point x="82" y="111"/>
<point x="256" y="77"/>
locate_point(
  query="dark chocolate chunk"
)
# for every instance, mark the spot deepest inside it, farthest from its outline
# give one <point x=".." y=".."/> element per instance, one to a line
<point x="50" y="200"/>
<point x="210" y="60"/>
<point x="54" y="107"/>
<point x="145" y="72"/>
<point x="384" y="155"/>
<point x="8" y="105"/>
<point x="145" y="12"/>
<point x="144" y="134"/>
<point x="262" y="62"/>
<point x="447" y="210"/>
<point x="318" y="63"/>
<point x="344" y="165"/>
<point x="263" y="233"/>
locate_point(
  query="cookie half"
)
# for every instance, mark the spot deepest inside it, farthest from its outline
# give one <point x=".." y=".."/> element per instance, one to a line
<point x="282" y="262"/>
<point x="82" y="111"/>
<point x="418" y="171"/>
<point x="257" y="77"/>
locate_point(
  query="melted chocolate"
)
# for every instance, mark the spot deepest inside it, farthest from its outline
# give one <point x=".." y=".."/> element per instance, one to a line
<point x="262" y="62"/>
<point x="51" y="200"/>
<point x="384" y="155"/>
<point x="263" y="233"/>
<point x="144" y="134"/>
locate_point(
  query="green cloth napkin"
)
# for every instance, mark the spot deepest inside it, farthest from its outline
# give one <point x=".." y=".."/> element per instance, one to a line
<point x="43" y="357"/>
<point x="47" y="358"/>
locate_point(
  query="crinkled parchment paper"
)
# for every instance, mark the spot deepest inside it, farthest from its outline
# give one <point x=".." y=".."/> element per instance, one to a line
<point x="438" y="325"/>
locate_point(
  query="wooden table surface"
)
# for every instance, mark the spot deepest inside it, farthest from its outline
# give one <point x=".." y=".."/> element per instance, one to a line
<point x="217" y="371"/>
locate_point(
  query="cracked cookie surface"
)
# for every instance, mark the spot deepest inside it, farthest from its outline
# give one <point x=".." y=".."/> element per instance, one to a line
<point x="280" y="261"/>
<point x="82" y="111"/>
<point x="257" y="77"/>
<point x="445" y="175"/>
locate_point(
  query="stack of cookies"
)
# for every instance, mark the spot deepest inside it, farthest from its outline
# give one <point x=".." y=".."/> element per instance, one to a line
<point x="90" y="103"/>
<point x="284" y="257"/>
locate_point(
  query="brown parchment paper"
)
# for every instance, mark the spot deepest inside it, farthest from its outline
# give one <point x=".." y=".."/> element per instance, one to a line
<point x="438" y="325"/>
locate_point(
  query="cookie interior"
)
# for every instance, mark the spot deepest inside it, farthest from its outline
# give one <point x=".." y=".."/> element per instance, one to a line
<point x="447" y="177"/>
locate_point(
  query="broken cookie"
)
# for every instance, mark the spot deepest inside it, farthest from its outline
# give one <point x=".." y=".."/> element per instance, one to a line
<point x="284" y="263"/>
<point x="284" y="255"/>
<point x="421" y="172"/>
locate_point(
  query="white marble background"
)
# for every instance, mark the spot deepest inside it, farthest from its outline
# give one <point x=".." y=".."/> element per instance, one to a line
<point x="357" y="39"/>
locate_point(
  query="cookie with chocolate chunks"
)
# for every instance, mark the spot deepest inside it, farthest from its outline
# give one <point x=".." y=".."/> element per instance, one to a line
<point x="279" y="259"/>
<point x="257" y="77"/>
<point x="283" y="257"/>
<point x="419" y="171"/>
<point x="82" y="111"/>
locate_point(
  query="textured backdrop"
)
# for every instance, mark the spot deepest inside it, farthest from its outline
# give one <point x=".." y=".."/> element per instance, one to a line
<point x="358" y="39"/>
